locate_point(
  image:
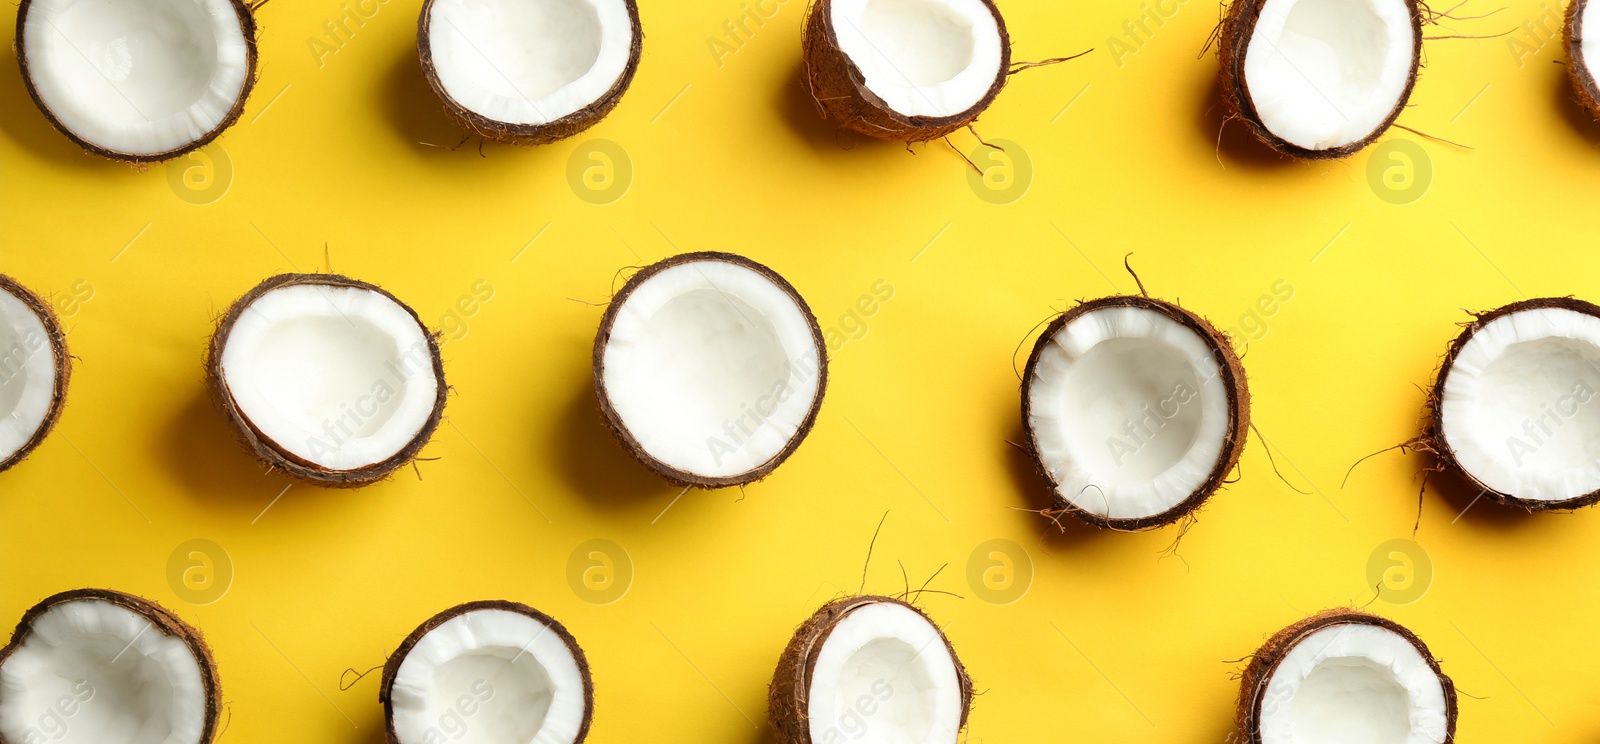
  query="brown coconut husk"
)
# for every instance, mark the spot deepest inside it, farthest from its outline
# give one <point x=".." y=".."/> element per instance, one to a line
<point x="268" y="451"/>
<point x="838" y="86"/>
<point x="1238" y="26"/>
<point x="62" y="360"/>
<point x="789" y="695"/>
<point x="1233" y="379"/>
<point x="1433" y="439"/>
<point x="1265" y="661"/>
<point x="247" y="25"/>
<point x="1583" y="82"/>
<point x="618" y="428"/>
<point x="392" y="667"/>
<point x="528" y="134"/>
<point x="164" y="622"/>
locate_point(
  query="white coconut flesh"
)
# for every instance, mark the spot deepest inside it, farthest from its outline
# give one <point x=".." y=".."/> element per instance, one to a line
<point x="884" y="676"/>
<point x="1353" y="683"/>
<point x="1129" y="411"/>
<point x="92" y="672"/>
<point x="1589" y="24"/>
<point x="341" y="377"/>
<point x="1520" y="407"/>
<point x="711" y="367"/>
<point x="140" y="77"/>
<point x="489" y="677"/>
<point x="1326" y="73"/>
<point x="27" y="374"/>
<point x="930" y="58"/>
<point x="529" y="61"/>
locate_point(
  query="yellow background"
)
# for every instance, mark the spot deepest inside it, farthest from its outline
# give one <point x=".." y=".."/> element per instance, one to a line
<point x="1111" y="643"/>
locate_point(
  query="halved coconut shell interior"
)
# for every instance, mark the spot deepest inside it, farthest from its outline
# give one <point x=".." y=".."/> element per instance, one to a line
<point x="1516" y="404"/>
<point x="869" y="668"/>
<point x="529" y="71"/>
<point x="1134" y="411"/>
<point x="709" y="368"/>
<point x="1320" y="78"/>
<point x="488" y="673"/>
<point x="1346" y="676"/>
<point x="138" y="80"/>
<point x="34" y="369"/>
<point x="328" y="379"/>
<point x="1582" y="52"/>
<point x="95" y="666"/>
<point x="905" y="70"/>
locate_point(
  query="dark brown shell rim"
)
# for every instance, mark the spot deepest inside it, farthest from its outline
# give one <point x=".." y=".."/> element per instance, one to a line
<point x="247" y="26"/>
<point x="392" y="666"/>
<point x="63" y="366"/>
<point x="268" y="451"/>
<point x="1233" y="379"/>
<point x="614" y="421"/>
<point x="1583" y="82"/>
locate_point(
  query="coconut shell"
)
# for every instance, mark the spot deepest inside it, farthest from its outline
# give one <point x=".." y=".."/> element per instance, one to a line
<point x="164" y="621"/>
<point x="63" y="365"/>
<point x="789" y="695"/>
<point x="529" y="134"/>
<point x="614" y="421"/>
<point x="1433" y="439"/>
<point x="268" y="451"/>
<point x="1238" y="26"/>
<point x="1265" y="661"/>
<point x="840" y="88"/>
<point x="1583" y="82"/>
<point x="247" y="26"/>
<point x="1233" y="379"/>
<point x="392" y="667"/>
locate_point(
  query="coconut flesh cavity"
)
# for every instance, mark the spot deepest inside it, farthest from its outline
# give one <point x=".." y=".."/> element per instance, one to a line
<point x="488" y="673"/>
<point x="34" y="367"/>
<point x="327" y="378"/>
<point x="102" y="667"/>
<point x="1320" y="78"/>
<point x="1516" y="407"/>
<point x="1582" y="50"/>
<point x="138" y="80"/>
<point x="709" y="368"/>
<point x="1134" y="410"/>
<point x="1345" y="676"/>
<point x="873" y="670"/>
<point x="529" y="71"/>
<point x="909" y="70"/>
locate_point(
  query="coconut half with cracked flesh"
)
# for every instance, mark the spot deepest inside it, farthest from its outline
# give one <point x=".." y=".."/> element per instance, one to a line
<point x="905" y="70"/>
<point x="1134" y="411"/>
<point x="1346" y="676"/>
<point x="94" y="666"/>
<point x="529" y="71"/>
<point x="1515" y="406"/>
<point x="710" y="369"/>
<point x="1582" y="50"/>
<point x="488" y="673"/>
<point x="326" y="378"/>
<point x="869" y="669"/>
<point x="138" y="80"/>
<point x="1320" y="78"/>
<point x="34" y="369"/>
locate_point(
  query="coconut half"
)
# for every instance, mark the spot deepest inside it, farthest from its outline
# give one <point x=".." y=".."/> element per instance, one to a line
<point x="1515" y="406"/>
<point x="869" y="669"/>
<point x="1320" y="78"/>
<point x="34" y="369"/>
<point x="710" y="369"/>
<point x="95" y="666"/>
<point x="328" y="379"/>
<point x="138" y="80"/>
<point x="491" y="672"/>
<point x="1134" y="411"/>
<point x="1346" y="676"/>
<point x="1580" y="14"/>
<point x="529" y="72"/>
<point x="905" y="70"/>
